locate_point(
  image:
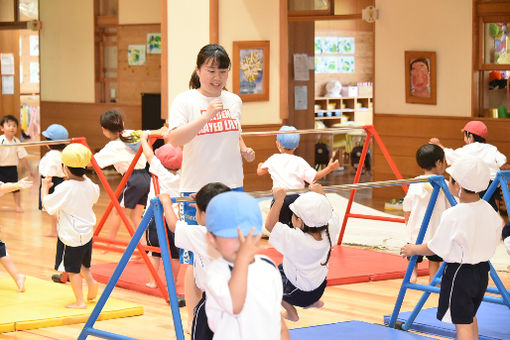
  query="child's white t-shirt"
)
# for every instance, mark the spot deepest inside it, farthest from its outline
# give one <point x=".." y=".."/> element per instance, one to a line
<point x="193" y="238"/>
<point x="168" y="182"/>
<point x="260" y="317"/>
<point x="302" y="254"/>
<point x="51" y="164"/>
<point x="120" y="155"/>
<point x="416" y="201"/>
<point x="9" y="156"/>
<point x="289" y="171"/>
<point x="486" y="152"/>
<point x="73" y="201"/>
<point x="213" y="155"/>
<point x="468" y="233"/>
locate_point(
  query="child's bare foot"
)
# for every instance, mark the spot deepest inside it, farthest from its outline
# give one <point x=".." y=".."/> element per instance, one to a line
<point x="414" y="277"/>
<point x="291" y="316"/>
<point x="19" y="210"/>
<point x="77" y="306"/>
<point x="316" y="304"/>
<point x="151" y="285"/>
<point x="92" y="292"/>
<point x="21" y="283"/>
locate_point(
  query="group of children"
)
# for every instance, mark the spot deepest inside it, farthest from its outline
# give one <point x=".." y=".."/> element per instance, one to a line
<point x="242" y="290"/>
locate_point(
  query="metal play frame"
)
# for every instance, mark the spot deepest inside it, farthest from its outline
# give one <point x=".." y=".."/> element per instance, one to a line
<point x="438" y="183"/>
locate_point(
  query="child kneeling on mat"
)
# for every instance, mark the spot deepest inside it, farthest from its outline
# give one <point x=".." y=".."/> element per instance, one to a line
<point x="306" y="247"/>
<point x="72" y="201"/>
<point x="466" y="238"/>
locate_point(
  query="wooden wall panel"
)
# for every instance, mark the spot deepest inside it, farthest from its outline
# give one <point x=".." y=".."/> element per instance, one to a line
<point x="9" y="43"/>
<point x="134" y="80"/>
<point x="404" y="134"/>
<point x="82" y="119"/>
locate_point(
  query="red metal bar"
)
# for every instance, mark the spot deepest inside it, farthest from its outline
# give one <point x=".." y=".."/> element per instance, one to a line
<point x="378" y="218"/>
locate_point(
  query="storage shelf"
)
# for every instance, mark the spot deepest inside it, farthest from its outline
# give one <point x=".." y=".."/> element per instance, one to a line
<point x="357" y="109"/>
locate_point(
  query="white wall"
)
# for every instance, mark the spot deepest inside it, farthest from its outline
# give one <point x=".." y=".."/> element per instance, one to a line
<point x="140" y="12"/>
<point x="188" y="32"/>
<point x="444" y="27"/>
<point x="255" y="20"/>
<point x="67" y="50"/>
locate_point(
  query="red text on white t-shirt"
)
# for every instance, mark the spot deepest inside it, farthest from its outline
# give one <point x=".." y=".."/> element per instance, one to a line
<point x="222" y="122"/>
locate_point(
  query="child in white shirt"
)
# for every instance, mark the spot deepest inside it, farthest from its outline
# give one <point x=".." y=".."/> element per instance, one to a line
<point x="430" y="158"/>
<point x="165" y="163"/>
<point x="475" y="133"/>
<point x="72" y="201"/>
<point x="466" y="239"/>
<point x="50" y="165"/>
<point x="306" y="248"/>
<point x="10" y="156"/>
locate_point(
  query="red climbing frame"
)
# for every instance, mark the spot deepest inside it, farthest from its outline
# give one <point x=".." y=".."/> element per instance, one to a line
<point x="114" y="202"/>
<point x="370" y="132"/>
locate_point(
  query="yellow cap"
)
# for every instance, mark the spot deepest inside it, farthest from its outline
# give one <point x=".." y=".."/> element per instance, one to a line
<point x="76" y="155"/>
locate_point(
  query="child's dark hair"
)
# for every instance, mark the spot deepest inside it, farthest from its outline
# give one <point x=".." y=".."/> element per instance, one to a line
<point x="207" y="192"/>
<point x="307" y="229"/>
<point x="56" y="146"/>
<point x="219" y="58"/>
<point x="112" y="121"/>
<point x="77" y="171"/>
<point x="8" y="118"/>
<point x="477" y="138"/>
<point x="466" y="190"/>
<point x="428" y="154"/>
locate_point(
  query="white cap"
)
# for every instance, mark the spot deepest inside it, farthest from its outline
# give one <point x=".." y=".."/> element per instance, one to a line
<point x="313" y="208"/>
<point x="471" y="173"/>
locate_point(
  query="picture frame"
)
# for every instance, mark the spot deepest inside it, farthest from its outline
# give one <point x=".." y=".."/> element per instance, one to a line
<point x="250" y="64"/>
<point x="420" y="76"/>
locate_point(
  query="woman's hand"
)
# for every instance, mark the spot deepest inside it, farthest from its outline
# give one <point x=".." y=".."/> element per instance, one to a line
<point x="214" y="108"/>
<point x="248" y="154"/>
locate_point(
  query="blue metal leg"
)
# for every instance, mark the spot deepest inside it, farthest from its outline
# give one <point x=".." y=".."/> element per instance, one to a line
<point x="87" y="329"/>
<point x="167" y="265"/>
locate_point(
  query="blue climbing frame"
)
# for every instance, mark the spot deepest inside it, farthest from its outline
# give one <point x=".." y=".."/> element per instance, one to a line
<point x="438" y="183"/>
<point x="155" y="209"/>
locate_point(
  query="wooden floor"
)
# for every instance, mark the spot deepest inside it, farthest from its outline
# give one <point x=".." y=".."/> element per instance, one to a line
<point x="34" y="256"/>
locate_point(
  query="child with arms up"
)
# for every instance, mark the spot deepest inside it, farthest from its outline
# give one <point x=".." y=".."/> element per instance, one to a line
<point x="466" y="238"/>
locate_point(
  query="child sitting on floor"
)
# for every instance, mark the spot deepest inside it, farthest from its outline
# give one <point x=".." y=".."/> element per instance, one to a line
<point x="306" y="248"/>
<point x="466" y="238"/>
<point x="430" y="158"/>
<point x="72" y="201"/>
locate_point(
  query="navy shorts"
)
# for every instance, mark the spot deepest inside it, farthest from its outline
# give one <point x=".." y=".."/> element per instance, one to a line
<point x="56" y="181"/>
<point x="462" y="289"/>
<point x="151" y="235"/>
<point x="285" y="213"/>
<point x="136" y="190"/>
<point x="9" y="174"/>
<point x="200" y="328"/>
<point x="297" y="297"/>
<point x="432" y="258"/>
<point x="3" y="250"/>
<point x="73" y="258"/>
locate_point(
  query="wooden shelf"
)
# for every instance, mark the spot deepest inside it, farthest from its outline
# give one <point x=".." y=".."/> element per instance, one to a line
<point x="357" y="109"/>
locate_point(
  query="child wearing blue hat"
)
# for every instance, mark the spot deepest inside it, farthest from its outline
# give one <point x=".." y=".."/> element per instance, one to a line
<point x="244" y="290"/>
<point x="290" y="171"/>
<point x="51" y="166"/>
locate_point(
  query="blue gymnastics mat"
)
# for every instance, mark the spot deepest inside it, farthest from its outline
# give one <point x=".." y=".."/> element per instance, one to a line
<point x="352" y="330"/>
<point x="492" y="322"/>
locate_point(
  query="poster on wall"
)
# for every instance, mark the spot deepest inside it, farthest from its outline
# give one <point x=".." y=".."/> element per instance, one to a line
<point x="34" y="72"/>
<point x="6" y="63"/>
<point x="136" y="55"/>
<point x="153" y="43"/>
<point x="34" y="45"/>
<point x="7" y="84"/>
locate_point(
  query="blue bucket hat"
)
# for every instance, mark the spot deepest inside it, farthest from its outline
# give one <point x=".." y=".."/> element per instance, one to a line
<point x="288" y="141"/>
<point x="229" y="210"/>
<point x="56" y="132"/>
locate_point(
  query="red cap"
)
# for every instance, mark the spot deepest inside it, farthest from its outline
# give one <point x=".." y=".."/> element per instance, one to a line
<point x="170" y="156"/>
<point x="477" y="128"/>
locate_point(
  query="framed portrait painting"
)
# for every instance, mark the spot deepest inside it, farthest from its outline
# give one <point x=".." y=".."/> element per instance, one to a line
<point x="250" y="70"/>
<point x="420" y="72"/>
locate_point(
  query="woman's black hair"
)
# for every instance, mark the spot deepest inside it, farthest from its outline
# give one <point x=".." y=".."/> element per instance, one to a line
<point x="219" y="58"/>
<point x="476" y="138"/>
<point x="77" y="171"/>
<point x="112" y="121"/>
<point x="307" y="229"/>
<point x="428" y="154"/>
<point x="207" y="192"/>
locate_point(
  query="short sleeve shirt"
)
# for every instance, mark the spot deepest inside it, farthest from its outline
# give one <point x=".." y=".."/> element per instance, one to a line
<point x="289" y="171"/>
<point x="120" y="155"/>
<point x="9" y="156"/>
<point x="51" y="164"/>
<point x="487" y="152"/>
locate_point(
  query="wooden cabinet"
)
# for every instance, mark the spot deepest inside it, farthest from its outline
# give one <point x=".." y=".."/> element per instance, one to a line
<point x="341" y="110"/>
